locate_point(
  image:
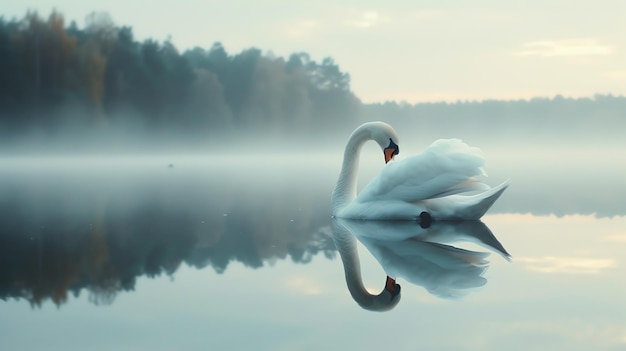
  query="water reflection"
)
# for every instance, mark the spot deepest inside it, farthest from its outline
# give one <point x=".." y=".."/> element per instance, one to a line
<point x="60" y="236"/>
<point x="58" y="258"/>
<point x="421" y="256"/>
<point x="101" y="233"/>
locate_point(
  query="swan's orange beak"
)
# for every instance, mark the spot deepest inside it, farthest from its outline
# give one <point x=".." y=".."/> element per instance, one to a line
<point x="390" y="151"/>
<point x="389" y="155"/>
<point x="392" y="286"/>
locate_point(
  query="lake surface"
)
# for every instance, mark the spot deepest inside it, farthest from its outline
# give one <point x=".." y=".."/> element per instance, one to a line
<point x="202" y="252"/>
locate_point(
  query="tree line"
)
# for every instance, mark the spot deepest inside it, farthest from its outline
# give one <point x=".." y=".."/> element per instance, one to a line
<point x="54" y="75"/>
<point x="558" y="118"/>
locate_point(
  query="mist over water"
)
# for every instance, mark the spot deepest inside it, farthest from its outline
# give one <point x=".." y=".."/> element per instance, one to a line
<point x="542" y="128"/>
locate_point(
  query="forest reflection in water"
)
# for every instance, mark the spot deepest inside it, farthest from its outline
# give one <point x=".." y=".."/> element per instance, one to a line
<point x="87" y="225"/>
<point x="101" y="228"/>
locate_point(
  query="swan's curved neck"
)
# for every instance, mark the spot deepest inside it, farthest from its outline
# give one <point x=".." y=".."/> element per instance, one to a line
<point x="346" y="245"/>
<point x="345" y="189"/>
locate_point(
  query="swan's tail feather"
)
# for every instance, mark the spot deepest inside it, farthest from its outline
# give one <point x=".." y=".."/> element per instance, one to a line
<point x="484" y="237"/>
<point x="469" y="186"/>
<point x="465" y="207"/>
<point x="486" y="200"/>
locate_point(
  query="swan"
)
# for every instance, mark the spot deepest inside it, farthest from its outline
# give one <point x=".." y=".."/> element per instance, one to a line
<point x="438" y="184"/>
<point x="417" y="254"/>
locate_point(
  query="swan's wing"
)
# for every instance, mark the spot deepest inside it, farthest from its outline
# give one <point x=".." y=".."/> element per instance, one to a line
<point x="446" y="167"/>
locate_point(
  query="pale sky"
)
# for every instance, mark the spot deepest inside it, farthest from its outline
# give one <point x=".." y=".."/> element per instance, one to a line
<point x="400" y="50"/>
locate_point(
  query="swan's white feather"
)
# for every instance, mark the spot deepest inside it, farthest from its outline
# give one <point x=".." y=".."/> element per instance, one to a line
<point x="446" y="167"/>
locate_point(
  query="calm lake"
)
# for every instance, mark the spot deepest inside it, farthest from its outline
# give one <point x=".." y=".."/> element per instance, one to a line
<point x="202" y="252"/>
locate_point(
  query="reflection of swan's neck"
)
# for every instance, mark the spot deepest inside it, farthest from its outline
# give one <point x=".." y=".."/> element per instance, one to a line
<point x="346" y="245"/>
<point x="345" y="189"/>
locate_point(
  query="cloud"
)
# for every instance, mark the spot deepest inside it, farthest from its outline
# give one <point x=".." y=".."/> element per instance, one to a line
<point x="367" y="19"/>
<point x="302" y="28"/>
<point x="569" y="47"/>
<point x="569" y="265"/>
<point x="616" y="75"/>
<point x="426" y="14"/>
<point x="620" y="238"/>
<point x="304" y="285"/>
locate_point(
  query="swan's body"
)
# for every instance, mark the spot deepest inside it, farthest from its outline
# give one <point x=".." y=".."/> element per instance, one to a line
<point x="441" y="181"/>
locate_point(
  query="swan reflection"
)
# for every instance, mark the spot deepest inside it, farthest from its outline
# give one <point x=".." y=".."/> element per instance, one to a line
<point x="421" y="256"/>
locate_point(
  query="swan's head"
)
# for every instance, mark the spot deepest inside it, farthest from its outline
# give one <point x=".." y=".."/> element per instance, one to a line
<point x="386" y="137"/>
<point x="385" y="301"/>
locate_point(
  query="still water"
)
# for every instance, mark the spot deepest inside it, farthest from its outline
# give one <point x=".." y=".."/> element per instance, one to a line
<point x="240" y="252"/>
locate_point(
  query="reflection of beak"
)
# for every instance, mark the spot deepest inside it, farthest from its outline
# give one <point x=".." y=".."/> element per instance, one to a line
<point x="392" y="287"/>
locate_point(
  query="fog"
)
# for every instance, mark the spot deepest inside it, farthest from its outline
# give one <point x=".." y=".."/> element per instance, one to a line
<point x="66" y="89"/>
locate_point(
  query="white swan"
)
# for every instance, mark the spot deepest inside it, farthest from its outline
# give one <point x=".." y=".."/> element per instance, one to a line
<point x="438" y="184"/>
<point x="419" y="255"/>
